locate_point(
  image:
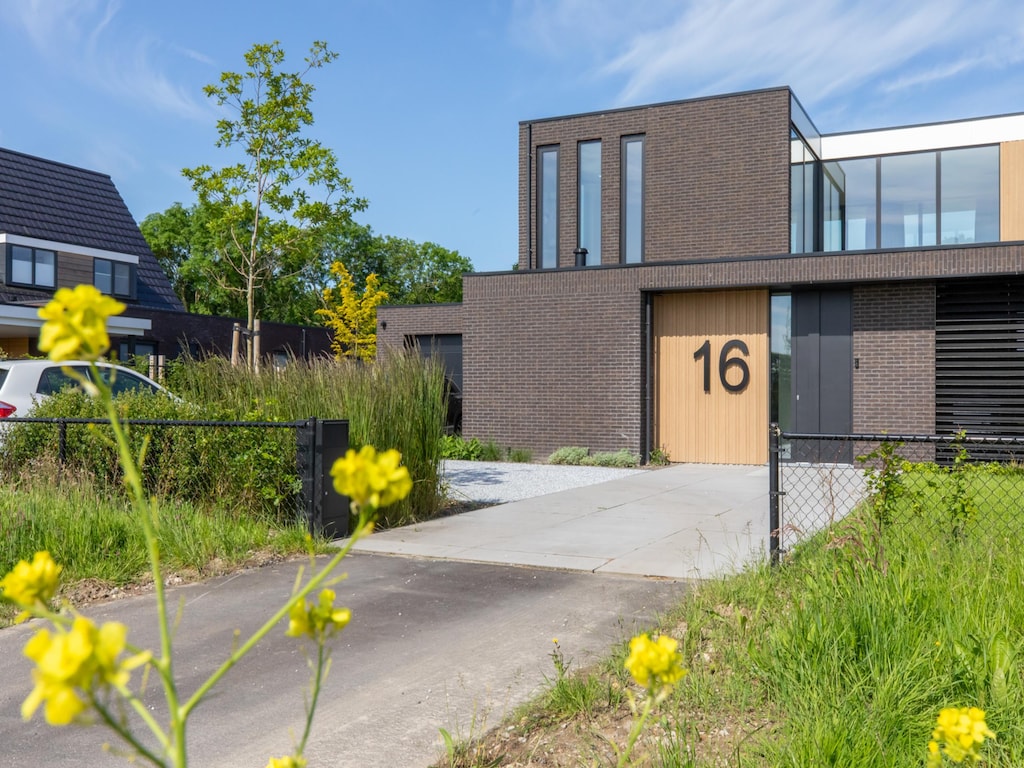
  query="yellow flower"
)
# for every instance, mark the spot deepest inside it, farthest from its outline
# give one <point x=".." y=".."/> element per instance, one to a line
<point x="370" y="479"/>
<point x="72" y="664"/>
<point x="287" y="762"/>
<point x="76" y="323"/>
<point x="318" y="621"/>
<point x="31" y="585"/>
<point x="655" y="664"/>
<point x="961" y="733"/>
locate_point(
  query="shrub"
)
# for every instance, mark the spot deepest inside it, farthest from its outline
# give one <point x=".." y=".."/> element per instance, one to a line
<point x="458" y="448"/>
<point x="621" y="458"/>
<point x="520" y="455"/>
<point x="491" y="451"/>
<point x="569" y="455"/>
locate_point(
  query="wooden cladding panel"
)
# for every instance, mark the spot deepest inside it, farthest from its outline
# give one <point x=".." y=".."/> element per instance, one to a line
<point x="717" y="426"/>
<point x="1011" y="191"/>
<point x="14" y="348"/>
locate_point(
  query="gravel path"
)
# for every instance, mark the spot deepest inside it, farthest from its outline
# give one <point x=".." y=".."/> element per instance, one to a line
<point x="497" y="482"/>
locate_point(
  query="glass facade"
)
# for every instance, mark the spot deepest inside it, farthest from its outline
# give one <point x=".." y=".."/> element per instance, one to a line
<point x="632" y="235"/>
<point x="803" y="168"/>
<point x="908" y="210"/>
<point x="780" y="409"/>
<point x="589" y="201"/>
<point x="547" y="196"/>
<point x="969" y="195"/>
<point x="860" y="210"/>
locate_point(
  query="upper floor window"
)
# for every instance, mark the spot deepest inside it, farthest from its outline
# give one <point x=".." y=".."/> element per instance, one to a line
<point x="35" y="267"/>
<point x="547" y="198"/>
<point x="921" y="199"/>
<point x="589" y="201"/>
<point x="114" y="277"/>
<point x="803" y="165"/>
<point x="632" y="215"/>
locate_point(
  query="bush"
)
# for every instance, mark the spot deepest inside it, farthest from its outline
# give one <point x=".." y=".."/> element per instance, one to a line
<point x="520" y="455"/>
<point x="569" y="455"/>
<point x="621" y="458"/>
<point x="242" y="469"/>
<point x="458" y="448"/>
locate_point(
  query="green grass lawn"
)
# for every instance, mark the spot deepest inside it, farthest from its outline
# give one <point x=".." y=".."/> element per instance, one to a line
<point x="841" y="656"/>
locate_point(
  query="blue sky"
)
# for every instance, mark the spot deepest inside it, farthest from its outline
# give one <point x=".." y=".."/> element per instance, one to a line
<point x="422" y="107"/>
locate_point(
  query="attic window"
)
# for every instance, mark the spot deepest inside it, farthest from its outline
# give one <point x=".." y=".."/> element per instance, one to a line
<point x="114" y="278"/>
<point x="34" y="267"/>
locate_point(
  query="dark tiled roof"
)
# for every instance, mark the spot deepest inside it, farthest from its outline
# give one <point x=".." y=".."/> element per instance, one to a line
<point x="52" y="201"/>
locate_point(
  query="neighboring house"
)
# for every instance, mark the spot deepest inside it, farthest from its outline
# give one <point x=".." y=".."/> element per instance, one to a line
<point x="690" y="271"/>
<point x="63" y="226"/>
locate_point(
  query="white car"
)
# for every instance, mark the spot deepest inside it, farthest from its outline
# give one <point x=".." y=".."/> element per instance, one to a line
<point x="24" y="382"/>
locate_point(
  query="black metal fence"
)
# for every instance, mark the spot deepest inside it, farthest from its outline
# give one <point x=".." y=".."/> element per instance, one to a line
<point x="318" y="443"/>
<point x="936" y="484"/>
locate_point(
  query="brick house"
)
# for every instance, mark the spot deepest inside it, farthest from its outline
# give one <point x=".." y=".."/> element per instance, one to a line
<point x="63" y="226"/>
<point x="690" y="271"/>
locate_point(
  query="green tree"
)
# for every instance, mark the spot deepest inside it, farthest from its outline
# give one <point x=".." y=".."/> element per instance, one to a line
<point x="351" y="316"/>
<point x="410" y="272"/>
<point x="266" y="223"/>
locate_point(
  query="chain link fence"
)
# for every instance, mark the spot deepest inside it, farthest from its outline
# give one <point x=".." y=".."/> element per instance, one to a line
<point x="833" y="486"/>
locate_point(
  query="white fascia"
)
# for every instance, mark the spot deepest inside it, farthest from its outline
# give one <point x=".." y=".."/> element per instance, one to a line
<point x="81" y="250"/>
<point x="922" y="138"/>
<point x="17" y="316"/>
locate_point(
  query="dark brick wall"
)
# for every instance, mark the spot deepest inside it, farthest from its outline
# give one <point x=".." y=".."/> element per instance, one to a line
<point x="554" y="358"/>
<point x="394" y="323"/>
<point x="894" y="343"/>
<point x="716" y="176"/>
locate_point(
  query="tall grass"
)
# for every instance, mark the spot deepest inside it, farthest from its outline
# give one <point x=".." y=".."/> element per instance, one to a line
<point x="847" y="657"/>
<point x="397" y="402"/>
<point x="95" y="535"/>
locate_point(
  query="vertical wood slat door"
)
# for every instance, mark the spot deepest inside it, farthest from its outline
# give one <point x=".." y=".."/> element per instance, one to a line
<point x="712" y="406"/>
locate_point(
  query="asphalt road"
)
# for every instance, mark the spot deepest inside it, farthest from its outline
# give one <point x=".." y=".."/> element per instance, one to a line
<point x="432" y="644"/>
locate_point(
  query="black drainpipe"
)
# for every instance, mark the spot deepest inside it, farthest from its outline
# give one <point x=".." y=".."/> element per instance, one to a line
<point x="648" y="417"/>
<point x="529" y="195"/>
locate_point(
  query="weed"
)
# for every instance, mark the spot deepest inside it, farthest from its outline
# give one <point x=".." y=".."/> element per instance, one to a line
<point x="520" y="455"/>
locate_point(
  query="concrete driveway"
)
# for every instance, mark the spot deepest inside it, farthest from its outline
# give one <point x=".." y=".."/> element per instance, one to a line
<point x="453" y="634"/>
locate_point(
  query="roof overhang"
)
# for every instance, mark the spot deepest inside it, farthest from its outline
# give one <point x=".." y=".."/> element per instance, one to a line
<point x="17" y="321"/>
<point x="53" y="245"/>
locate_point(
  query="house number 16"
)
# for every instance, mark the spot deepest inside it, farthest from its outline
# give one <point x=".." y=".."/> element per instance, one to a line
<point x="724" y="364"/>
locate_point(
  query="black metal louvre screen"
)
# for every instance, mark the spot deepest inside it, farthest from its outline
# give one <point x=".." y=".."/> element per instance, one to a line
<point x="979" y="359"/>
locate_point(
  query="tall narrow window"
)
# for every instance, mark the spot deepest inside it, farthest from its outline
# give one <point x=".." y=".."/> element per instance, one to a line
<point x="632" y="235"/>
<point x="589" y="201"/>
<point x="861" y="212"/>
<point x="803" y="166"/>
<point x="547" y="196"/>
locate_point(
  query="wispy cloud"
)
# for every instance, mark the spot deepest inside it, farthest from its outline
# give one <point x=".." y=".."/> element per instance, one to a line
<point x="85" y="40"/>
<point x="672" y="50"/>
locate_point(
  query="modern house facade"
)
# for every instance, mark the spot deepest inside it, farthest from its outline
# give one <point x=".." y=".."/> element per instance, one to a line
<point x="61" y="226"/>
<point x="690" y="271"/>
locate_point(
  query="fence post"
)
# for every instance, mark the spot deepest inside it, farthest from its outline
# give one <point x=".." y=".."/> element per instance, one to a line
<point x="320" y="442"/>
<point x="62" y="442"/>
<point x="774" y="518"/>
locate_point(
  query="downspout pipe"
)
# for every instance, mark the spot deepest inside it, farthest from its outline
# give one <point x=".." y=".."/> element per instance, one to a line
<point x="529" y="195"/>
<point x="648" y="418"/>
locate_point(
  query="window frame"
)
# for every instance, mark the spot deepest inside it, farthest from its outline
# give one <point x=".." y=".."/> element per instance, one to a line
<point x="624" y="230"/>
<point x="542" y="152"/>
<point x="114" y="265"/>
<point x="34" y="256"/>
<point x="593" y="257"/>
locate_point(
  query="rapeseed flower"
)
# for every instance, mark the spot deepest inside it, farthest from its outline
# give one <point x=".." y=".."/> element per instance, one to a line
<point x="370" y="479"/>
<point x="655" y="664"/>
<point x="320" y="620"/>
<point x="959" y="733"/>
<point x="76" y="323"/>
<point x="72" y="664"/>
<point x="287" y="762"/>
<point x="31" y="585"/>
